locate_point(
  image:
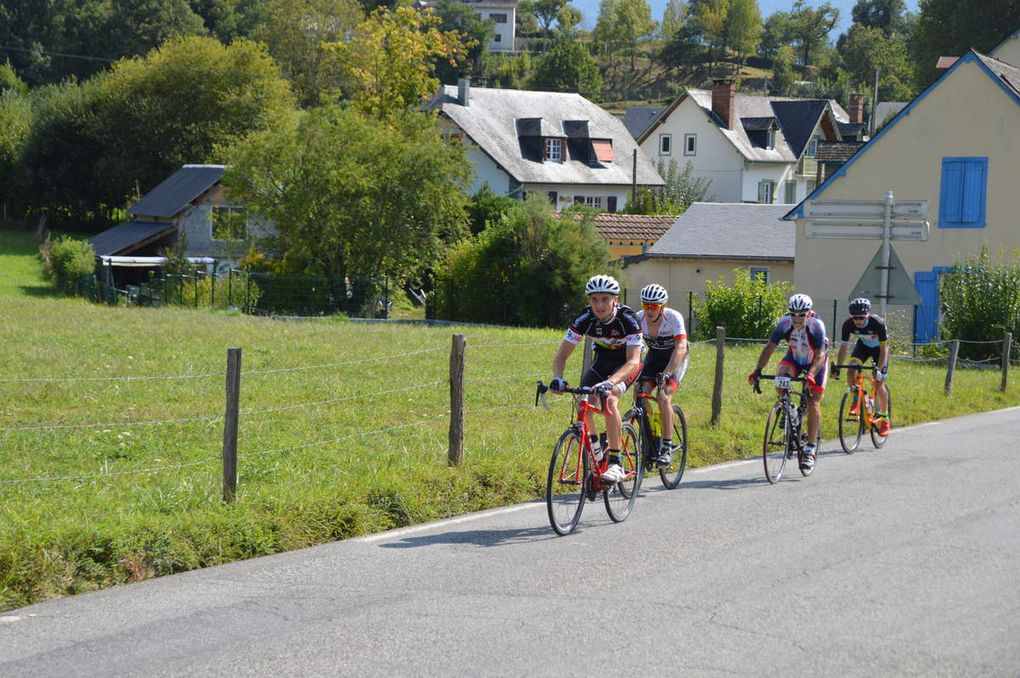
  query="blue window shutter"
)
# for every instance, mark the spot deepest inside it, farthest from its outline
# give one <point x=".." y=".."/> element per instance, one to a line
<point x="951" y="202"/>
<point x="962" y="193"/>
<point x="974" y="192"/>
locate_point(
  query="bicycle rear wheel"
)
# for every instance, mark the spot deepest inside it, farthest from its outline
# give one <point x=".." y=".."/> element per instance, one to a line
<point x="850" y="428"/>
<point x="620" y="497"/>
<point x="777" y="443"/>
<point x="877" y="440"/>
<point x="566" y="484"/>
<point x="672" y="474"/>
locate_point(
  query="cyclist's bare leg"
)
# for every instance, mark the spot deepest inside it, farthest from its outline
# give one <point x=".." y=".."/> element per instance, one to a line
<point x="814" y="419"/>
<point x="665" y="400"/>
<point x="882" y="397"/>
<point x="614" y="421"/>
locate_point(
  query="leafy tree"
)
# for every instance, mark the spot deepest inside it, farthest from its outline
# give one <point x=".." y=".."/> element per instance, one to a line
<point x="567" y="20"/>
<point x="744" y="27"/>
<point x="951" y="27"/>
<point x="783" y="75"/>
<point x="459" y="17"/>
<point x="15" y="124"/>
<point x="232" y="19"/>
<point x="624" y="23"/>
<point x="980" y="300"/>
<point x="712" y="23"/>
<point x="568" y="67"/>
<point x="352" y="197"/>
<point x="528" y="268"/>
<point x="680" y="191"/>
<point x="507" y="70"/>
<point x="486" y="207"/>
<point x="142" y="25"/>
<point x="746" y="308"/>
<point x="684" y="48"/>
<point x="389" y="62"/>
<point x="810" y="27"/>
<point x="674" y="16"/>
<point x="67" y="259"/>
<point x="890" y="16"/>
<point x="295" y="31"/>
<point x="9" y="80"/>
<point x="865" y="49"/>
<point x="777" y="31"/>
<point x="547" y="11"/>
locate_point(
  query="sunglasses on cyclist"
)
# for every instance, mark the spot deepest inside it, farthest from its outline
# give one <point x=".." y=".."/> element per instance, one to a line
<point x="652" y="307"/>
<point x="859" y="317"/>
<point x="799" y="314"/>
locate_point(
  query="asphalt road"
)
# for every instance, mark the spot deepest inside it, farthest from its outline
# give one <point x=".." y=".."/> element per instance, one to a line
<point x="903" y="561"/>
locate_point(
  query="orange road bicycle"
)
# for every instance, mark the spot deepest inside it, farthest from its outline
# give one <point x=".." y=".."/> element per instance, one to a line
<point x="785" y="437"/>
<point x="575" y="470"/>
<point x="864" y="391"/>
<point x="641" y="417"/>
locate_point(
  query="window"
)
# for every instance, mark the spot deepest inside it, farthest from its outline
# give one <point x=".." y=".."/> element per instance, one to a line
<point x="611" y="204"/>
<point x="665" y="144"/>
<point x="554" y="150"/>
<point x="962" y="192"/>
<point x="497" y="38"/>
<point x="553" y="198"/>
<point x="594" y="201"/>
<point x="770" y="138"/>
<point x="766" y="192"/>
<point x="759" y="272"/>
<point x="812" y="147"/>
<point x="812" y="184"/>
<point x="498" y="18"/>
<point x="690" y="144"/>
<point x="229" y="223"/>
<point x="790" y="192"/>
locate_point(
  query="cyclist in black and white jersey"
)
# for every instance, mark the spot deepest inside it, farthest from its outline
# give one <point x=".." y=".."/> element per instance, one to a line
<point x="616" y="334"/>
<point x="666" y="338"/>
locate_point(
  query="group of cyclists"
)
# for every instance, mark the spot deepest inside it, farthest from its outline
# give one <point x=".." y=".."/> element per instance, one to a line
<point x="619" y="336"/>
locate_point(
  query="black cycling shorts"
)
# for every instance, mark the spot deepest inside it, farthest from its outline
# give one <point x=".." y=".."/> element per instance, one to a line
<point x="603" y="367"/>
<point x="863" y="353"/>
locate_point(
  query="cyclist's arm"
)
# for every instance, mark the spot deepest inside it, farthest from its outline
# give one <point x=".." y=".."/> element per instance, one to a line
<point x="842" y="352"/>
<point x="560" y="359"/>
<point x="766" y="353"/>
<point x="678" y="356"/>
<point x="632" y="365"/>
<point x="883" y="355"/>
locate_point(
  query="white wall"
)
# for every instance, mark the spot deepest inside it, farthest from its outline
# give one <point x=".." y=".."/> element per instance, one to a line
<point x="486" y="171"/>
<point x="715" y="159"/>
<point x="565" y="194"/>
<point x="503" y="33"/>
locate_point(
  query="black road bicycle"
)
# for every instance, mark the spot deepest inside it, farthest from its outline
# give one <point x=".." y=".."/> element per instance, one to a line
<point x="640" y="418"/>
<point x="785" y="437"/>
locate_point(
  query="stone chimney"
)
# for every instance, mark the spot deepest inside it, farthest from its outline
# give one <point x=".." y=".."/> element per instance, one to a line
<point x="464" y="91"/>
<point x="723" y="100"/>
<point x="857" y="108"/>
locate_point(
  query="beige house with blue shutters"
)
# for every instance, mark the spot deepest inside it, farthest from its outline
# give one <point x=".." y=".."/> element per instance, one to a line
<point x="957" y="146"/>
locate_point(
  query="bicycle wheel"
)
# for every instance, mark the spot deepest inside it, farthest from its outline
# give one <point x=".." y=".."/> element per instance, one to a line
<point x="877" y="440"/>
<point x="850" y="428"/>
<point x="672" y="474"/>
<point x="620" y="497"/>
<point x="643" y="445"/>
<point x="565" y="487"/>
<point x="776" y="444"/>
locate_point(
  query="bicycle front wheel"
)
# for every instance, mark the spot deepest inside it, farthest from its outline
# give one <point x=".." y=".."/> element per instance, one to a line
<point x="566" y="485"/>
<point x="777" y="443"/>
<point x="620" y="497"/>
<point x="877" y="440"/>
<point x="851" y="427"/>
<point x="672" y="474"/>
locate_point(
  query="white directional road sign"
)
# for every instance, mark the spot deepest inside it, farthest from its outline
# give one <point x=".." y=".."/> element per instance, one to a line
<point x="872" y="211"/>
<point x="863" y="230"/>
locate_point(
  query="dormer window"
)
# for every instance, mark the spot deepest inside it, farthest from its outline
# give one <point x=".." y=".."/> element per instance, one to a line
<point x="770" y="138"/>
<point x="812" y="149"/>
<point x="554" y="150"/>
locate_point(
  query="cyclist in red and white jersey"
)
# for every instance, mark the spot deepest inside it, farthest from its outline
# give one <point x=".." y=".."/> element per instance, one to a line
<point x="616" y="334"/>
<point x="666" y="338"/>
<point x="807" y="351"/>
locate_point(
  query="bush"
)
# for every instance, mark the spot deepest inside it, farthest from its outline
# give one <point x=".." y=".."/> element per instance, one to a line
<point x="748" y="308"/>
<point x="980" y="301"/>
<point x="65" y="260"/>
<point x="527" y="268"/>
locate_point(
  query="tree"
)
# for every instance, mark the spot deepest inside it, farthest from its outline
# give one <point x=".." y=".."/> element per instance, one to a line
<point x="711" y="19"/>
<point x="527" y="268"/>
<point x="890" y="16"/>
<point x="745" y="27"/>
<point x="626" y="23"/>
<point x="951" y="27"/>
<point x="352" y="197"/>
<point x="295" y="31"/>
<point x="388" y="64"/>
<point x="568" y="67"/>
<point x="232" y="19"/>
<point x="459" y="17"/>
<point x="863" y="50"/>
<point x="783" y="75"/>
<point x="547" y="12"/>
<point x="810" y="27"/>
<point x="142" y="25"/>
<point x="680" y="191"/>
<point x="674" y="16"/>
<point x="777" y="31"/>
<point x="15" y="124"/>
<point x="568" y="18"/>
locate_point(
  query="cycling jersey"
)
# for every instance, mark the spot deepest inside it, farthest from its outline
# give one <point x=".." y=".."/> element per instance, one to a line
<point x="671" y="330"/>
<point x="802" y="343"/>
<point x="620" y="331"/>
<point x="872" y="334"/>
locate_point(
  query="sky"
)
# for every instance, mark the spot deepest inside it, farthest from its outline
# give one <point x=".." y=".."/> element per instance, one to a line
<point x="590" y="10"/>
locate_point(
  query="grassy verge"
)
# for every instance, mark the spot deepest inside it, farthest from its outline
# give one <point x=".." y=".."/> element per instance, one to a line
<point x="109" y="475"/>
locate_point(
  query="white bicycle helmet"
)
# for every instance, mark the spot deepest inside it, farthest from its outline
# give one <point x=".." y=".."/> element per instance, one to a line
<point x="860" y="306"/>
<point x="654" y="294"/>
<point x="799" y="302"/>
<point x="602" y="283"/>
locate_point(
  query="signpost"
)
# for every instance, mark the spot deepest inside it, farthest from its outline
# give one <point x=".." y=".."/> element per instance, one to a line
<point x="884" y="220"/>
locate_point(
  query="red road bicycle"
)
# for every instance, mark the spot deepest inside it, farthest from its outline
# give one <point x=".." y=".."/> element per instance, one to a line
<point x="575" y="470"/>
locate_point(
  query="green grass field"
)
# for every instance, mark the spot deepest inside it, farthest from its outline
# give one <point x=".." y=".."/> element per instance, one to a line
<point x="111" y="429"/>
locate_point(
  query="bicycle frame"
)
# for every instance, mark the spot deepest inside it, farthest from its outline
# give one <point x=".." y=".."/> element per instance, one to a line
<point x="788" y="420"/>
<point x="581" y="425"/>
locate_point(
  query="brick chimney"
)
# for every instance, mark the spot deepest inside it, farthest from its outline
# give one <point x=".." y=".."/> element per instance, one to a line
<point x="857" y="108"/>
<point x="723" y="100"/>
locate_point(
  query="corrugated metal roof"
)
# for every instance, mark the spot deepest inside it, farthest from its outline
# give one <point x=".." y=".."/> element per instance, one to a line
<point x="128" y="237"/>
<point x="494" y="120"/>
<point x="729" y="231"/>
<point x="177" y="191"/>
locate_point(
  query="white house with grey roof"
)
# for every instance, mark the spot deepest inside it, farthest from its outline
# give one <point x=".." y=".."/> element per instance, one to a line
<point x="711" y="239"/>
<point x="752" y="148"/>
<point x="558" y="145"/>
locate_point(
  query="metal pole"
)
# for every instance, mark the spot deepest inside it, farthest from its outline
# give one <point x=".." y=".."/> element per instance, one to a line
<point x="886" y="238"/>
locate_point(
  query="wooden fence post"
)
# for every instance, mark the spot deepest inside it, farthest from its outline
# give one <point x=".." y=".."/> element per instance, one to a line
<point x="1006" y="347"/>
<point x="455" y="453"/>
<point x="230" y="424"/>
<point x="954" y="350"/>
<point x="720" y="344"/>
